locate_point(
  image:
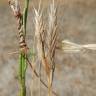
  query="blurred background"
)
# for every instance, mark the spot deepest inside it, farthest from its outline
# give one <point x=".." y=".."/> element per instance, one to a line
<point x="75" y="74"/>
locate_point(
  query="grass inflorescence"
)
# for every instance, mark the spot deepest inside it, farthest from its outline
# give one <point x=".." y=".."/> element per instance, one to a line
<point x="22" y="21"/>
<point x="45" y="45"/>
<point x="46" y="57"/>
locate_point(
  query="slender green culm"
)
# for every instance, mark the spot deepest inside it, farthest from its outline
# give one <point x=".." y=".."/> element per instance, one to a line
<point x="22" y="73"/>
<point x="25" y="14"/>
<point x="22" y="63"/>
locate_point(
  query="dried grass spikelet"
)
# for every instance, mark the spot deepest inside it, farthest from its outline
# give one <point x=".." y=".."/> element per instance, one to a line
<point x="51" y="40"/>
<point x="68" y="46"/>
<point x="46" y="56"/>
<point x="52" y="33"/>
<point x="15" y="6"/>
<point x="39" y="35"/>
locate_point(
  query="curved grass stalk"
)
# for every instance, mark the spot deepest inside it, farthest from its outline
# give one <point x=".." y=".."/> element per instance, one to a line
<point x="37" y="75"/>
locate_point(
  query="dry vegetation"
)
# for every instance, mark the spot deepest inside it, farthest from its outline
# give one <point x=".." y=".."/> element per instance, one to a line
<point x="75" y="73"/>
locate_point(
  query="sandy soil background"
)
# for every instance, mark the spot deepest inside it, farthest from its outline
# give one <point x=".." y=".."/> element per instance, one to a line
<point x="75" y="74"/>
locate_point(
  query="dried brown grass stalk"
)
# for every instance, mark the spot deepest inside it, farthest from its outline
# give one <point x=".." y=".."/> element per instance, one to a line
<point x="46" y="55"/>
<point x="37" y="75"/>
<point x="51" y="40"/>
<point x="52" y="33"/>
<point x="39" y="34"/>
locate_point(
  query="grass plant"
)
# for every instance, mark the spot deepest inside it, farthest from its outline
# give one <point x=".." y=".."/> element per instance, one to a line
<point x="22" y="21"/>
<point x="21" y="18"/>
<point x="46" y="44"/>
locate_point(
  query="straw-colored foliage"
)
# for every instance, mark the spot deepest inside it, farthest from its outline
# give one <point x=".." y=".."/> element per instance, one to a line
<point x="46" y="46"/>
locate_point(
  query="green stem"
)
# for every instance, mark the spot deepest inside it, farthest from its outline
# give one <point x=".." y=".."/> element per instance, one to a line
<point x="22" y="63"/>
<point x="22" y="73"/>
<point x="25" y="14"/>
